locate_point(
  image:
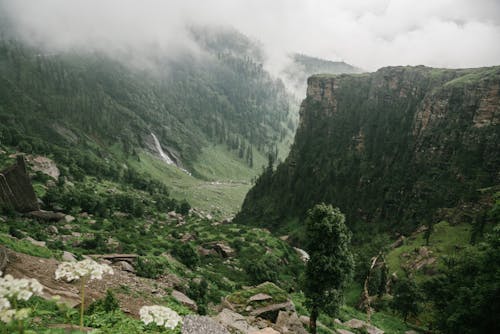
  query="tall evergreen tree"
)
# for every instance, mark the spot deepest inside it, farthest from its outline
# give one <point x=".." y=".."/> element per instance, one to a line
<point x="331" y="263"/>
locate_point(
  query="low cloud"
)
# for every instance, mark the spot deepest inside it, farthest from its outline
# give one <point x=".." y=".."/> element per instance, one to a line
<point x="369" y="34"/>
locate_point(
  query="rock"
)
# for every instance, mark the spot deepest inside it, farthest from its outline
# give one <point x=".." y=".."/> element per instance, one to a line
<point x="344" y="331"/>
<point x="267" y="330"/>
<point x="206" y="252"/>
<point x="224" y="250"/>
<point x="44" y="165"/>
<point x="52" y="229"/>
<point x="411" y="332"/>
<point x="399" y="242"/>
<point x="337" y="321"/>
<point x="305" y="320"/>
<point x="289" y="322"/>
<point x="125" y="266"/>
<point x="259" y="297"/>
<point x="359" y="324"/>
<point x="195" y="324"/>
<point x="47" y="215"/>
<point x="355" y="323"/>
<point x="172" y="214"/>
<point x="227" y="220"/>
<point x="68" y="257"/>
<point x="424" y="252"/>
<point x="284" y="237"/>
<point x="16" y="189"/>
<point x="270" y="312"/>
<point x="209" y="216"/>
<point x="68" y="218"/>
<point x="188" y="237"/>
<point x="184" y="300"/>
<point x="36" y="242"/>
<point x="302" y="253"/>
<point x="235" y="322"/>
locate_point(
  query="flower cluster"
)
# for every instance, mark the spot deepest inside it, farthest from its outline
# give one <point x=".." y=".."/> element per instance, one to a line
<point x="87" y="268"/>
<point x="160" y="315"/>
<point x="13" y="289"/>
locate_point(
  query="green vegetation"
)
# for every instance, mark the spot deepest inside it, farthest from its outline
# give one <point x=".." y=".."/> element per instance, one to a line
<point x="330" y="267"/>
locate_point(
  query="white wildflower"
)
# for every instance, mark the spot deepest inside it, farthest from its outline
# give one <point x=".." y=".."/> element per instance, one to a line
<point x="22" y="314"/>
<point x="160" y="315"/>
<point x="87" y="268"/>
<point x="4" y="304"/>
<point x="19" y="288"/>
<point x="7" y="315"/>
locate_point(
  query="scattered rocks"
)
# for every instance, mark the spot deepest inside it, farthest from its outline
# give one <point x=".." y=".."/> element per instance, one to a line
<point x="359" y="324"/>
<point x="195" y="324"/>
<point x="184" y="300"/>
<point x="53" y="230"/>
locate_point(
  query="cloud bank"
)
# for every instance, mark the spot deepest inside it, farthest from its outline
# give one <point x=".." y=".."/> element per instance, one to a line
<point x="369" y="34"/>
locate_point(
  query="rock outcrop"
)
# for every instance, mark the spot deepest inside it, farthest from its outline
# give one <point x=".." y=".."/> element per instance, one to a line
<point x="16" y="190"/>
<point x="393" y="146"/>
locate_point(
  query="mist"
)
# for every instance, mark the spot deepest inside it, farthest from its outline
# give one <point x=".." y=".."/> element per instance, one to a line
<point x="368" y="34"/>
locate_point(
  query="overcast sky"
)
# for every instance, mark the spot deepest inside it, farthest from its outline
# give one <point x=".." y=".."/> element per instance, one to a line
<point x="366" y="33"/>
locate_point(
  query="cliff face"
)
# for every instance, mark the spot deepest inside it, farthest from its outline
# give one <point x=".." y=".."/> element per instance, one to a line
<point x="391" y="146"/>
<point x="16" y="190"/>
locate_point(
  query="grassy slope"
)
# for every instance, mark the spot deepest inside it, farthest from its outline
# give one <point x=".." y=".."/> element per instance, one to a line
<point x="445" y="240"/>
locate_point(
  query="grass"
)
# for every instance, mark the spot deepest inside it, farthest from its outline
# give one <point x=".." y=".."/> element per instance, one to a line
<point x="26" y="247"/>
<point x="222" y="199"/>
<point x="445" y="240"/>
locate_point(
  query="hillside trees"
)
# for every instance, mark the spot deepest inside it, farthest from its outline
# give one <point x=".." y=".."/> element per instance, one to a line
<point x="331" y="263"/>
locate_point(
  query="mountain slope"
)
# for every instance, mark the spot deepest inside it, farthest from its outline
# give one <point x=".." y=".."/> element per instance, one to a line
<point x="391" y="147"/>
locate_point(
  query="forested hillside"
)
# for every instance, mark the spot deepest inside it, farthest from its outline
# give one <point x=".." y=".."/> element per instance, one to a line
<point x="218" y="96"/>
<point x="390" y="149"/>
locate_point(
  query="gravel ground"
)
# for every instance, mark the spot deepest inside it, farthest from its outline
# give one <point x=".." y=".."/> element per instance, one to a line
<point x="195" y="324"/>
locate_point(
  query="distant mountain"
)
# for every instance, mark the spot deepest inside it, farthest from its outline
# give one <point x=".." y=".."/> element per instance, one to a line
<point x="220" y="96"/>
<point x="302" y="67"/>
<point x="391" y="148"/>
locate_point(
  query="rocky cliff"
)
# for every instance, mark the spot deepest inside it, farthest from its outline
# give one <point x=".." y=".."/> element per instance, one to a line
<point x="391" y="147"/>
<point x="16" y="190"/>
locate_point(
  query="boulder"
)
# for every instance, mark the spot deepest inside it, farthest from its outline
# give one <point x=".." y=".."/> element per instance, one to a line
<point x="235" y="322"/>
<point x="195" y="324"/>
<point x="302" y="253"/>
<point x="223" y="250"/>
<point x="267" y="330"/>
<point x="344" y="331"/>
<point x="184" y="300"/>
<point x="259" y="297"/>
<point x="36" y="242"/>
<point x="125" y="266"/>
<point x="270" y="312"/>
<point x="289" y="322"/>
<point x="47" y="215"/>
<point x="359" y="324"/>
<point x="52" y="229"/>
<point x="399" y="242"/>
<point x="68" y="257"/>
<point x="69" y="219"/>
<point x="305" y="320"/>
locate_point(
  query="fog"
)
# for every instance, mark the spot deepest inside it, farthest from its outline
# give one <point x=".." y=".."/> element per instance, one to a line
<point x="368" y="34"/>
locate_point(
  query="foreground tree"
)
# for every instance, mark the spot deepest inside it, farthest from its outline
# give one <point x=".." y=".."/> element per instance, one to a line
<point x="331" y="263"/>
<point x="406" y="297"/>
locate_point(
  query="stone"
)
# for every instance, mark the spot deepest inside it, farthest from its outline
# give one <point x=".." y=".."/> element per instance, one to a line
<point x="125" y="266"/>
<point x="44" y="165"/>
<point x="16" y="189"/>
<point x="411" y="332"/>
<point x="289" y="322"/>
<point x="68" y="218"/>
<point x="52" y="229"/>
<point x="36" y="242"/>
<point x="235" y="322"/>
<point x="223" y="250"/>
<point x="172" y="214"/>
<point x="184" y="300"/>
<point x="259" y="297"/>
<point x="302" y="253"/>
<point x="270" y="312"/>
<point x="68" y="257"/>
<point x="188" y="237"/>
<point x="46" y="215"/>
<point x="195" y="324"/>
<point x="355" y="323"/>
<point x="344" y="331"/>
<point x="267" y="330"/>
<point x="399" y="242"/>
<point x="305" y="320"/>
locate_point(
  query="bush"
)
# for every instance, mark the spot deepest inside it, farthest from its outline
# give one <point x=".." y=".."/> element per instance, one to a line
<point x="150" y="267"/>
<point x="187" y="254"/>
